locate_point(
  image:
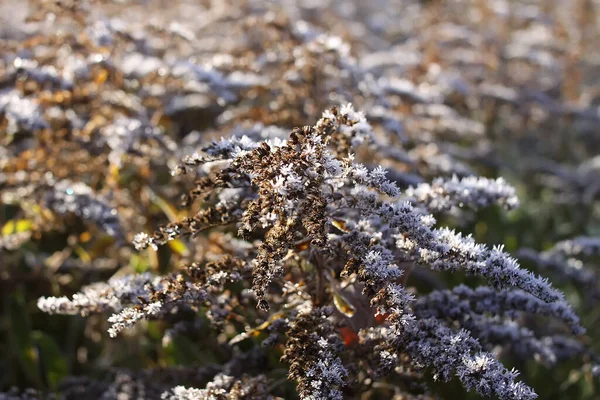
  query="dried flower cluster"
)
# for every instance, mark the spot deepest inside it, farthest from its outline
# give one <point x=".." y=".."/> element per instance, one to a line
<point x="262" y="200"/>
<point x="306" y="198"/>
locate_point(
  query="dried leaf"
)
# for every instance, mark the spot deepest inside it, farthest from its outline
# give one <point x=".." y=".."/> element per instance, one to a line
<point x="343" y="305"/>
<point x="339" y="224"/>
<point x="349" y="337"/>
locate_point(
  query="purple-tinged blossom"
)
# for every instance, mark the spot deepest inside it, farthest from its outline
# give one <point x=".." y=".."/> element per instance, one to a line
<point x="472" y="192"/>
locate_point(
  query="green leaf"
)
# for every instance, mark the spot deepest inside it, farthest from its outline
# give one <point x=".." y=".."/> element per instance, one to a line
<point x="19" y="336"/>
<point x="139" y="263"/>
<point x="53" y="364"/>
<point x="186" y="352"/>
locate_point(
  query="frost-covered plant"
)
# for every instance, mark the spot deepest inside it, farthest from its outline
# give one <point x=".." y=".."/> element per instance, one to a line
<point x="267" y="199"/>
<point x="571" y="261"/>
<point x="305" y="198"/>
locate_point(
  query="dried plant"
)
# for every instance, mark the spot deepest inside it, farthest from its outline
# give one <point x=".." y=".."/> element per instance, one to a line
<point x="260" y="200"/>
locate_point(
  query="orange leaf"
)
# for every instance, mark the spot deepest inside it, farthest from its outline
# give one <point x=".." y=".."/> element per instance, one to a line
<point x="349" y="337"/>
<point x="380" y="318"/>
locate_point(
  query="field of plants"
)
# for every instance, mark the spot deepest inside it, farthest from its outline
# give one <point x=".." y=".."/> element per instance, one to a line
<point x="299" y="199"/>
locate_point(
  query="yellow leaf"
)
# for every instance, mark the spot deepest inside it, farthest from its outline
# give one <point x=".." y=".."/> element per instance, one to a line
<point x="343" y="305"/>
<point x="341" y="225"/>
<point x="169" y="210"/>
<point x="179" y="247"/>
<point x="16" y="226"/>
<point x="255" y="331"/>
<point x="138" y="264"/>
<point x="83" y="255"/>
<point x="114" y="175"/>
<point x="101" y="77"/>
<point x="100" y="246"/>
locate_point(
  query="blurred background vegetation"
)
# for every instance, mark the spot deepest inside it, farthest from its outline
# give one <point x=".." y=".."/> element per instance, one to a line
<point x="112" y="114"/>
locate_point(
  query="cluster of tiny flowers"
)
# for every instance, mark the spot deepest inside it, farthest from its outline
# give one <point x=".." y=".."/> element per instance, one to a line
<point x="304" y="199"/>
<point x="463" y="301"/>
<point x="445" y="249"/>
<point x="492" y="317"/>
<point x="583" y="246"/>
<point x="473" y="192"/>
<point x="132" y="298"/>
<point x="142" y="240"/>
<point x="223" y="387"/>
<point x="130" y="316"/>
<point x="79" y="199"/>
<point x="125" y="135"/>
<point x="328" y="371"/>
<point x="314" y="357"/>
<point x="450" y="352"/>
<point x="22" y="114"/>
<point x="99" y="297"/>
<point x="567" y="261"/>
